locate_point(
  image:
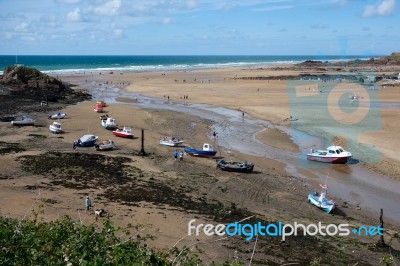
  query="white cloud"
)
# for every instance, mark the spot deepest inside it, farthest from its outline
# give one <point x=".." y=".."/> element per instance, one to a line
<point x="74" y="15"/>
<point x="168" y="21"/>
<point x="191" y="4"/>
<point x="109" y="8"/>
<point x="118" y="32"/>
<point x="384" y="8"/>
<point x="272" y="8"/>
<point x="68" y="1"/>
<point x="21" y="27"/>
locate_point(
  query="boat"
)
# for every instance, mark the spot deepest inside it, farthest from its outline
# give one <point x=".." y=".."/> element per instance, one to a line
<point x="57" y="115"/>
<point x="321" y="200"/>
<point x="7" y="118"/>
<point x="241" y="167"/>
<point x="98" y="108"/>
<point x="86" y="141"/>
<point x="103" y="103"/>
<point x="207" y="151"/>
<point x="170" y="141"/>
<point x="105" y="145"/>
<point x="55" y="128"/>
<point x="25" y="121"/>
<point x="126" y="132"/>
<point x="109" y="123"/>
<point x="333" y="154"/>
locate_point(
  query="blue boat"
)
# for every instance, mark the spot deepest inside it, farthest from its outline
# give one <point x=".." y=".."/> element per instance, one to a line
<point x="207" y="151"/>
<point x="321" y="200"/>
<point x="86" y="141"/>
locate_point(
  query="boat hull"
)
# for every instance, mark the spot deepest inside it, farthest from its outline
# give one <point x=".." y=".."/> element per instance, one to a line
<point x="123" y="135"/>
<point x="235" y="167"/>
<point x="22" y="123"/>
<point x="86" y="141"/>
<point x="170" y="143"/>
<point x="199" y="153"/>
<point x="337" y="160"/>
<point x="325" y="205"/>
<point x="7" y="118"/>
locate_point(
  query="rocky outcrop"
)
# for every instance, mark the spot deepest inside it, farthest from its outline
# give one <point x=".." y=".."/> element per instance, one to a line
<point x="25" y="86"/>
<point x="31" y="83"/>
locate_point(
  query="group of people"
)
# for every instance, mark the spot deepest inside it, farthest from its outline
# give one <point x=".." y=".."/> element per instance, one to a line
<point x="177" y="154"/>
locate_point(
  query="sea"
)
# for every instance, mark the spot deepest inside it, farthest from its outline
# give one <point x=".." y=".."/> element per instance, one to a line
<point x="64" y="64"/>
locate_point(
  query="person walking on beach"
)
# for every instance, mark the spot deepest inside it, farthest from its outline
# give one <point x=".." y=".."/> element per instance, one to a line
<point x="175" y="154"/>
<point x="88" y="203"/>
<point x="215" y="136"/>
<point x="181" y="156"/>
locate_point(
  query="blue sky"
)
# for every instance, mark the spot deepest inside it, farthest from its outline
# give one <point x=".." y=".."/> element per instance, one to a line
<point x="199" y="27"/>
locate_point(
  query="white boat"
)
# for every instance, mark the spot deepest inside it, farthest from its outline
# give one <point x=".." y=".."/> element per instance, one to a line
<point x="333" y="154"/>
<point x="109" y="123"/>
<point x="55" y="128"/>
<point x="25" y="121"/>
<point x="105" y="145"/>
<point x="57" y="115"/>
<point x="321" y="200"/>
<point x="170" y="141"/>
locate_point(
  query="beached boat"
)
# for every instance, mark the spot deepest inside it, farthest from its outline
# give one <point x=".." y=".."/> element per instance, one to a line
<point x="105" y="145"/>
<point x="7" y="118"/>
<point x="333" y="154"/>
<point x="55" y="128"/>
<point x="57" y="115"/>
<point x="170" y="141"/>
<point x="103" y="103"/>
<point x="86" y="141"/>
<point x="242" y="167"/>
<point x="321" y="200"/>
<point x="207" y="151"/>
<point x="126" y="132"/>
<point x="109" y="123"/>
<point x="24" y="121"/>
<point x="98" y="107"/>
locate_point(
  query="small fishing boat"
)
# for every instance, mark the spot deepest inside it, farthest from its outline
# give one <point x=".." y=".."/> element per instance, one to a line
<point x="321" y="200"/>
<point x="98" y="108"/>
<point x="103" y="103"/>
<point x="126" y="132"/>
<point x="7" y="118"/>
<point x="241" y="167"/>
<point x="57" y="115"/>
<point x="109" y="123"/>
<point x="170" y="141"/>
<point x="207" y="151"/>
<point x="55" y="128"/>
<point x="25" y="121"/>
<point x="105" y="145"/>
<point x="333" y="154"/>
<point x="86" y="141"/>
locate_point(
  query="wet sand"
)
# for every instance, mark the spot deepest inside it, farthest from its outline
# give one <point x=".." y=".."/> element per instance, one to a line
<point x="268" y="101"/>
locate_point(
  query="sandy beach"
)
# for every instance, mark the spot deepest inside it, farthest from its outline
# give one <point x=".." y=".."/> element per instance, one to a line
<point x="161" y="195"/>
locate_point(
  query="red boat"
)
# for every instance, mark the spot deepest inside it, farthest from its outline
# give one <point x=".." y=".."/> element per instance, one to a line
<point x="98" y="108"/>
<point x="333" y="154"/>
<point x="126" y="132"/>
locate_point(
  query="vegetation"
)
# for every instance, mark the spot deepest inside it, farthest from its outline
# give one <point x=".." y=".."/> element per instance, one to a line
<point x="67" y="242"/>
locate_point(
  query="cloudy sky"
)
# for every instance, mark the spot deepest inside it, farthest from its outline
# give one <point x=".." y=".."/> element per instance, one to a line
<point x="199" y="27"/>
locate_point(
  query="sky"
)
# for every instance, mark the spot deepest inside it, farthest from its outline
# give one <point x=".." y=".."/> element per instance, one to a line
<point x="199" y="27"/>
